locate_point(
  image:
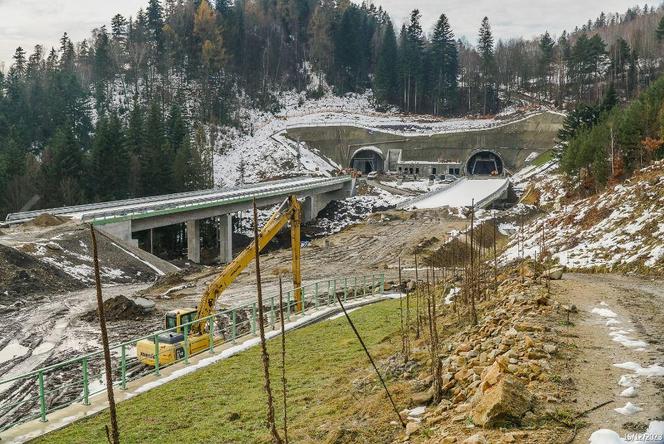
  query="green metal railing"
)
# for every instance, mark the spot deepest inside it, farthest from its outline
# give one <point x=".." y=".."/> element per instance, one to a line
<point x="77" y="379"/>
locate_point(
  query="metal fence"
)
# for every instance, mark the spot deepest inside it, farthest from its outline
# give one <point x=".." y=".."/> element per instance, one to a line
<point x="37" y="393"/>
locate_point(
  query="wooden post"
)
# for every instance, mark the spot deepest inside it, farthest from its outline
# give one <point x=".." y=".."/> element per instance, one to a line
<point x="495" y="256"/>
<point x="115" y="432"/>
<point x="403" y="337"/>
<point x="283" y="359"/>
<point x="264" y="354"/>
<point x="472" y="263"/>
<point x="417" y="301"/>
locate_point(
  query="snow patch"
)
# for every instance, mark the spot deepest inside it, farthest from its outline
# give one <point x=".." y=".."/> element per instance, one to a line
<point x="629" y="392"/>
<point x="13" y="350"/>
<point x="604" y="312"/>
<point x="629" y="409"/>
<point x="648" y="372"/>
<point x="626" y="341"/>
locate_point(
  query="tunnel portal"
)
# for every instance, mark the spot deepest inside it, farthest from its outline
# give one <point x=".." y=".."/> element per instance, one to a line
<point x="485" y="163"/>
<point x="368" y="159"/>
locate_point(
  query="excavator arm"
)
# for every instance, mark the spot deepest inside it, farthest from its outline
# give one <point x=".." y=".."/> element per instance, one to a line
<point x="289" y="211"/>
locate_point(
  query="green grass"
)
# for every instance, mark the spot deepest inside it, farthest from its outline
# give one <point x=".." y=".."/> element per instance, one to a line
<point x="226" y="402"/>
<point x="543" y="158"/>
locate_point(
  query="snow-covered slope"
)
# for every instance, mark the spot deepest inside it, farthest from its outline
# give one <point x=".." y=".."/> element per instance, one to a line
<point x="619" y="229"/>
<point x="260" y="150"/>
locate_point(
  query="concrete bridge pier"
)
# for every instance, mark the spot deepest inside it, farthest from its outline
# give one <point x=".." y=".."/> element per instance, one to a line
<point x="225" y="238"/>
<point x="309" y="209"/>
<point x="194" y="241"/>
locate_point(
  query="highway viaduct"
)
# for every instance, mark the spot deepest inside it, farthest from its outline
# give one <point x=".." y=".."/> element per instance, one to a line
<point x="122" y="219"/>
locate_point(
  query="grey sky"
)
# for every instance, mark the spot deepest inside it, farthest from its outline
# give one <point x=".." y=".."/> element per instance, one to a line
<point x="29" y="22"/>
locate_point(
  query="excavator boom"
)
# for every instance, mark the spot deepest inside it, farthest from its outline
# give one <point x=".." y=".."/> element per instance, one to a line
<point x="289" y="211"/>
<point x="169" y="348"/>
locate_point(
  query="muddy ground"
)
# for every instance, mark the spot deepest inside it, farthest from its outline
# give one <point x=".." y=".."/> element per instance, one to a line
<point x="372" y="246"/>
<point x="52" y="326"/>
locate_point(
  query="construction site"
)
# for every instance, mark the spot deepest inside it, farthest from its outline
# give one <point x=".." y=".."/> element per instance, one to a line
<point x="471" y="324"/>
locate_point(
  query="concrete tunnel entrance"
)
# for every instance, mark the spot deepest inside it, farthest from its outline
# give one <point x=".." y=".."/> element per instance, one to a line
<point x="485" y="163"/>
<point x="367" y="159"/>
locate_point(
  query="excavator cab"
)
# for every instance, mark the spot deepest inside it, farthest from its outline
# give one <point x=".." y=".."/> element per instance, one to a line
<point x="177" y="318"/>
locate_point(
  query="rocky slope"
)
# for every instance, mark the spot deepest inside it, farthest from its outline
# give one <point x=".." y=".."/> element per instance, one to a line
<point x="499" y="379"/>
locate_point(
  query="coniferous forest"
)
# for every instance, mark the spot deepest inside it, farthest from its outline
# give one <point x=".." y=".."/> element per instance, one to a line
<point x="127" y="112"/>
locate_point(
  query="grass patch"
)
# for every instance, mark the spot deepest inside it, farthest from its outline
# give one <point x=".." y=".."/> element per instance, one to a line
<point x="226" y="403"/>
<point x="543" y="158"/>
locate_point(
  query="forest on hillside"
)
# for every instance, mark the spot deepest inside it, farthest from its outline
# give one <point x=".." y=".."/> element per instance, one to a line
<point x="128" y="111"/>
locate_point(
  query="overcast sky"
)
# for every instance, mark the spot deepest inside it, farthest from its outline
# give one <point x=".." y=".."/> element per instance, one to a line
<point x="29" y="22"/>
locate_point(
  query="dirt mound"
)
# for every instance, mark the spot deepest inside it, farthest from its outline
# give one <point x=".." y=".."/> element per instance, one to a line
<point x="47" y="220"/>
<point x="119" y="308"/>
<point x="21" y="275"/>
<point x="69" y="249"/>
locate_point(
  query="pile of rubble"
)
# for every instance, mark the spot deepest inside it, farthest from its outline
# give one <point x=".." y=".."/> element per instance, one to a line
<point x="121" y="308"/>
<point x="498" y="373"/>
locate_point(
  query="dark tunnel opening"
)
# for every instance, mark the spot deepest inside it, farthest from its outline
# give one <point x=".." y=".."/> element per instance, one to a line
<point x="485" y="163"/>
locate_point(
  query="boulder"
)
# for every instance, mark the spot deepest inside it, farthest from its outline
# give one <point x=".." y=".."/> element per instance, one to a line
<point x="556" y="274"/>
<point x="491" y="376"/>
<point x="422" y="398"/>
<point x="476" y="439"/>
<point x="412" y="427"/>
<point x="502" y="404"/>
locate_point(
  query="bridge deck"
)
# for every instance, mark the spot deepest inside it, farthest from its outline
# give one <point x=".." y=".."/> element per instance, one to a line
<point x="173" y="203"/>
<point x="462" y="193"/>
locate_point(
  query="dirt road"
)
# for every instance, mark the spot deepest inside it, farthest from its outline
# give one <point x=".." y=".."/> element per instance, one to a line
<point x="620" y="322"/>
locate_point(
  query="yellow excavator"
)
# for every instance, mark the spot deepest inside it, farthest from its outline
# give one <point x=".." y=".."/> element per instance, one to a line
<point x="173" y="346"/>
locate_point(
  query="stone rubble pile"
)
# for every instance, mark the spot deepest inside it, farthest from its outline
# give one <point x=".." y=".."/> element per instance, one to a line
<point x="494" y="374"/>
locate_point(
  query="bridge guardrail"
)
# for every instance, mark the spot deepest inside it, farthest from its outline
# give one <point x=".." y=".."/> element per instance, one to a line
<point x="166" y="208"/>
<point x="75" y="380"/>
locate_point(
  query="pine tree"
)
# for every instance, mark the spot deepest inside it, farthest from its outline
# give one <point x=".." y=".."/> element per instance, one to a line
<point x="630" y="134"/>
<point x="348" y="48"/>
<point x="156" y="156"/>
<point x="155" y="25"/>
<point x="600" y="165"/>
<point x="182" y="168"/>
<point x="176" y="128"/>
<point x="659" y="32"/>
<point x="582" y="117"/>
<point x="488" y="66"/>
<point x="67" y="54"/>
<point x="412" y="61"/>
<point x="119" y="28"/>
<point x="386" y="82"/>
<point x="445" y="67"/>
<point x="62" y="167"/>
<point x="110" y="160"/>
<point x="546" y="45"/>
<point x="610" y="99"/>
<point x="19" y="67"/>
<point x="103" y="69"/>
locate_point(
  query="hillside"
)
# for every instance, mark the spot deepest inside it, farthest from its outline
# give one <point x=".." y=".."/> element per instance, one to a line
<point x="153" y="103"/>
<point x="619" y="229"/>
